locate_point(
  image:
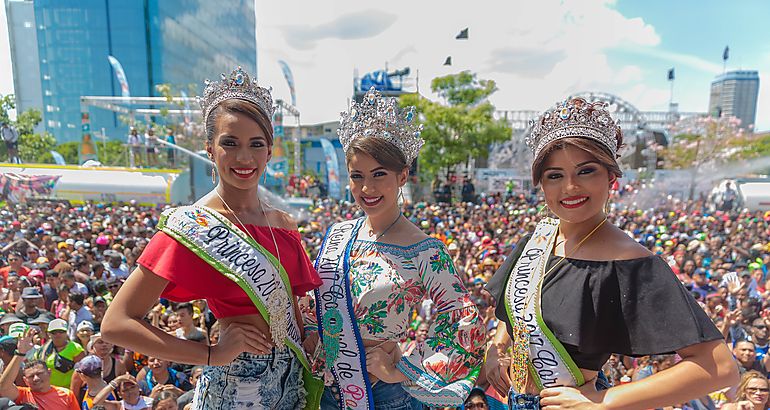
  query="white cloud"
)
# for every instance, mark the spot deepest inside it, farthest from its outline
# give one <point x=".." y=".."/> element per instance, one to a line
<point x="6" y="71"/>
<point x="537" y="52"/>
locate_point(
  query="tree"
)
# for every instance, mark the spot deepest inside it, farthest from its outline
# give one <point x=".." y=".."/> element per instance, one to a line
<point x="35" y="148"/>
<point x="462" y="127"/>
<point x="32" y="147"/>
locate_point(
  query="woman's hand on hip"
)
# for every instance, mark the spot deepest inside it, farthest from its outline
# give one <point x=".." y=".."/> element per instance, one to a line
<point x="584" y="398"/>
<point x="496" y="368"/>
<point x="237" y="338"/>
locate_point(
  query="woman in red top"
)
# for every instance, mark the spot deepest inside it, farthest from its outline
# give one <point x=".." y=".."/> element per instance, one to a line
<point x="245" y="366"/>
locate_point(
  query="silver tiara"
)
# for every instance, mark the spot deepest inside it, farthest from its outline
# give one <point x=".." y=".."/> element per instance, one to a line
<point x="239" y="86"/>
<point x="378" y="117"/>
<point x="575" y="117"/>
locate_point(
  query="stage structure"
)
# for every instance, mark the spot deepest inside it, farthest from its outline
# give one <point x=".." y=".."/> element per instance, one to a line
<point x="640" y="130"/>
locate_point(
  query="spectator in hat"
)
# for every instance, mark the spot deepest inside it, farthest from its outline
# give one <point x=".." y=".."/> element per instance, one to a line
<point x="37" y="277"/>
<point x="41" y="322"/>
<point x="78" y="313"/>
<point x="14" y="265"/>
<point x="28" y="310"/>
<point x="84" y="331"/>
<point x="128" y="388"/>
<point x="90" y="382"/>
<point x="112" y="366"/>
<point x="700" y="283"/>
<point x="98" y="310"/>
<point x="7" y="320"/>
<point x="7" y="347"/>
<point x="37" y="376"/>
<point x="60" y="354"/>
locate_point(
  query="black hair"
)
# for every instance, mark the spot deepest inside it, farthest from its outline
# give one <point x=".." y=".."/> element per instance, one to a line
<point x="77" y="297"/>
<point x="477" y="392"/>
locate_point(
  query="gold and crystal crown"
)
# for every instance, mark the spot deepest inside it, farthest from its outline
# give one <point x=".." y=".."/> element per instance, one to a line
<point x="237" y="85"/>
<point x="380" y="117"/>
<point x="575" y="117"/>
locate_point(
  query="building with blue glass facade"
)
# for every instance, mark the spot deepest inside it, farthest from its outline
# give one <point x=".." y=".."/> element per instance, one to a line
<point x="177" y="42"/>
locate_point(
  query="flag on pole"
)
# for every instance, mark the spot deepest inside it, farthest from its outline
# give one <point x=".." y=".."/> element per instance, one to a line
<point x="121" y="75"/>
<point x="671" y="74"/>
<point x="726" y="53"/>
<point x="463" y="34"/>
<point x="448" y="61"/>
<point x="290" y="80"/>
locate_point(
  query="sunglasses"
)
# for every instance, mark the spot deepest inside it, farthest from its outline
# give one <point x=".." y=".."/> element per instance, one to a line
<point x="751" y="390"/>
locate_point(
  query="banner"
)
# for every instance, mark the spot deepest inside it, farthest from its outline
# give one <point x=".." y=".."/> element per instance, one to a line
<point x="332" y="169"/>
<point x="290" y="80"/>
<point x="121" y="76"/>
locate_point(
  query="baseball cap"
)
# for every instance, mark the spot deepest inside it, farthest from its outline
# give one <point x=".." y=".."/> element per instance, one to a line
<point x="85" y="325"/>
<point x="90" y="366"/>
<point x="57" y="324"/>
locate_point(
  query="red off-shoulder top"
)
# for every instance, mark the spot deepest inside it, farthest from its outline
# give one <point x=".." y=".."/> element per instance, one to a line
<point x="192" y="278"/>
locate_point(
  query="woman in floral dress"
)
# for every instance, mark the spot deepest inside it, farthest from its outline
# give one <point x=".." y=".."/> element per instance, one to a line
<point x="376" y="271"/>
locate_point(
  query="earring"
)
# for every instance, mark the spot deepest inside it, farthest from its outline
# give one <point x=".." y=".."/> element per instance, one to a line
<point x="264" y="176"/>
<point x="213" y="175"/>
<point x="607" y="207"/>
<point x="401" y="195"/>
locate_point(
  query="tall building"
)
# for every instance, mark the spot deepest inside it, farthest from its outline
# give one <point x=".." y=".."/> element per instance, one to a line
<point x="734" y="93"/>
<point x="59" y="50"/>
<point x="26" y="64"/>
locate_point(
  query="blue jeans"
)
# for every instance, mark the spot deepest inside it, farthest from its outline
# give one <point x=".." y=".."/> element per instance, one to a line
<point x="270" y="381"/>
<point x="387" y="396"/>
<point x="523" y="401"/>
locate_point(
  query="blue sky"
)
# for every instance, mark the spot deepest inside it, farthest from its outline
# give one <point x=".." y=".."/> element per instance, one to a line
<point x="538" y="52"/>
<point x="701" y="29"/>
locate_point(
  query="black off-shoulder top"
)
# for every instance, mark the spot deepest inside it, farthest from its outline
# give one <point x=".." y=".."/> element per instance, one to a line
<point x="634" y="307"/>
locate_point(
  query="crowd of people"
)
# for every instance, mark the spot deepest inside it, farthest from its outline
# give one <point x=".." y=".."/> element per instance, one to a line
<point x="63" y="264"/>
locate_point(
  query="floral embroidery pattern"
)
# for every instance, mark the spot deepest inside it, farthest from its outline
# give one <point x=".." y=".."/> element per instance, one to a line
<point x="388" y="281"/>
<point x="373" y="317"/>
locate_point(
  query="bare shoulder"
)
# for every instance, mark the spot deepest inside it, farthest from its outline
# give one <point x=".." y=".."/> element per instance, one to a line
<point x="623" y="246"/>
<point x="280" y="219"/>
<point x="415" y="234"/>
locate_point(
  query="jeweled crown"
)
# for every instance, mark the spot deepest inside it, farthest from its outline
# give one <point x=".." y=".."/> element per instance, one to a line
<point x="575" y="117"/>
<point x="380" y="117"/>
<point x="237" y="85"/>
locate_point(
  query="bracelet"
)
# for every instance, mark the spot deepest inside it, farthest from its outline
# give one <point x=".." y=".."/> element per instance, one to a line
<point x="113" y="385"/>
<point x="18" y="353"/>
<point x="208" y="357"/>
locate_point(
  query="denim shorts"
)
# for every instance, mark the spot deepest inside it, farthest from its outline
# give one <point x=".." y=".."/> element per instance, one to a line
<point x="523" y="401"/>
<point x="387" y="396"/>
<point x="270" y="381"/>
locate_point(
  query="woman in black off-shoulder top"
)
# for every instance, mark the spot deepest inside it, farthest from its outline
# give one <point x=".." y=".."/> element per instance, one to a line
<point x="609" y="294"/>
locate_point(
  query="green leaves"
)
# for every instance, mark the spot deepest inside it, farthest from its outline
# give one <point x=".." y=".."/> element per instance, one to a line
<point x="461" y="127"/>
<point x="34" y="148"/>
